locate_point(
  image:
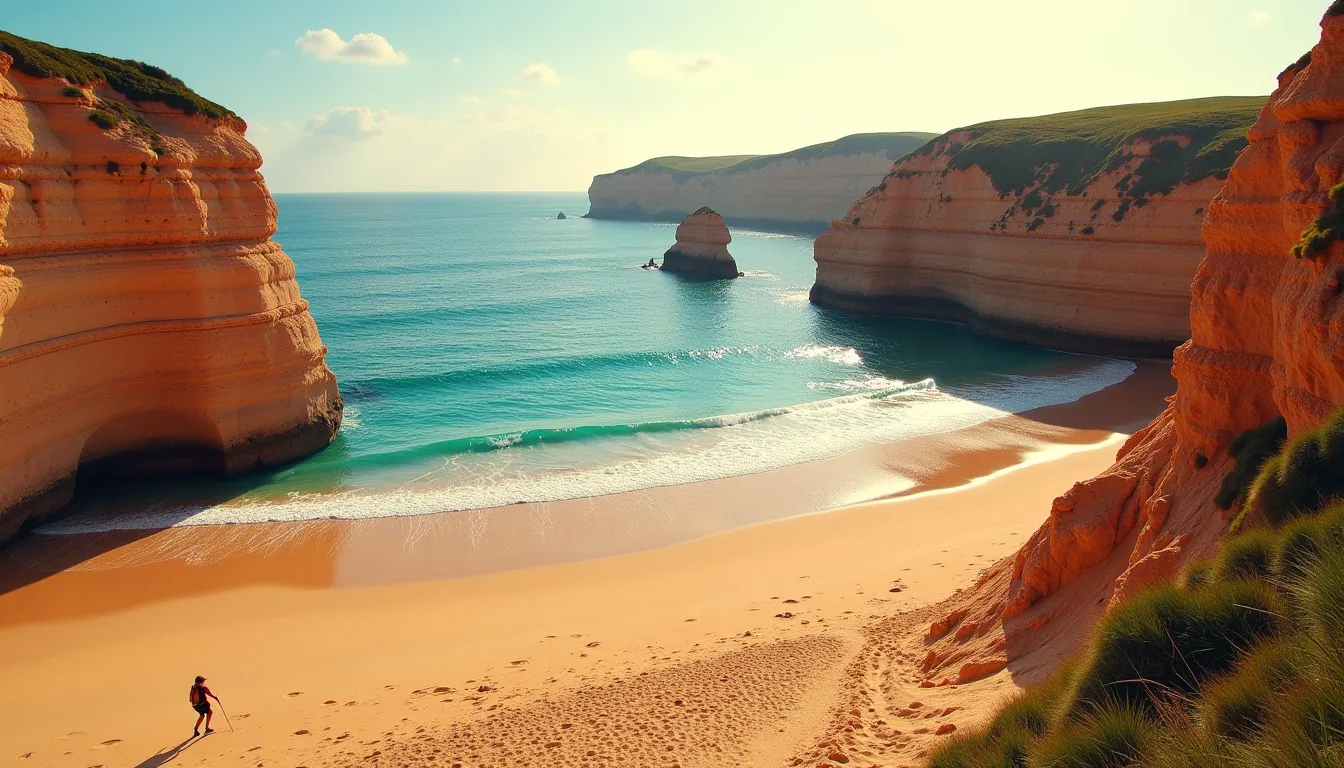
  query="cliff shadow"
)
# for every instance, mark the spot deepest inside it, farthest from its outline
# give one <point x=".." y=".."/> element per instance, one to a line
<point x="981" y="369"/>
<point x="109" y="512"/>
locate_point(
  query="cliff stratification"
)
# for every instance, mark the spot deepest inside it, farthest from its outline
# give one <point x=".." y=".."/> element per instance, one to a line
<point x="800" y="190"/>
<point x="702" y="247"/>
<point x="1267" y="340"/>
<point x="1078" y="231"/>
<point x="148" y="323"/>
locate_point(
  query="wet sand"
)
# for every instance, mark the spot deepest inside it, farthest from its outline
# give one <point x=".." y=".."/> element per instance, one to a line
<point x="580" y="619"/>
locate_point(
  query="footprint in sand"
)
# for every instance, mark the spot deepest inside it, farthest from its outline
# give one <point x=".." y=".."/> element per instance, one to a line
<point x="301" y="732"/>
<point x="292" y="694"/>
<point x="329" y="702"/>
<point x="110" y="743"/>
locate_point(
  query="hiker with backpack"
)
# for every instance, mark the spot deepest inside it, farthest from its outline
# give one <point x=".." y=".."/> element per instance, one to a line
<point x="201" y="704"/>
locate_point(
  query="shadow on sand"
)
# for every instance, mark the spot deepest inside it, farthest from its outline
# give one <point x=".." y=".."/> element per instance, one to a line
<point x="167" y="754"/>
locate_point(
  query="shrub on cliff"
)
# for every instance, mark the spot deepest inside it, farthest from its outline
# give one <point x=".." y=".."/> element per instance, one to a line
<point x="1303" y="477"/>
<point x="1251" y="449"/>
<point x="1327" y="228"/>
<point x="135" y="80"/>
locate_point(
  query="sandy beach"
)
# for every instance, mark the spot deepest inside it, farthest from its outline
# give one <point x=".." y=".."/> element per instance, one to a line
<point x="720" y="623"/>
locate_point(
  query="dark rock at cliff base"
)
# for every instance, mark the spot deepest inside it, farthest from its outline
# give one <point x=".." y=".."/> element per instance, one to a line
<point x="562" y="216"/>
<point x="702" y="247"/>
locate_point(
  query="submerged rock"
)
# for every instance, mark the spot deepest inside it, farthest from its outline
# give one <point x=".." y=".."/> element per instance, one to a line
<point x="702" y="247"/>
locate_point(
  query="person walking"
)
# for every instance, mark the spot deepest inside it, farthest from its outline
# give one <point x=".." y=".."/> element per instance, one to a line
<point x="201" y="704"/>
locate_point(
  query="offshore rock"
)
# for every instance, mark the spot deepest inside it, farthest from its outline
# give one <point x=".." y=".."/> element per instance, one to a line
<point x="702" y="247"/>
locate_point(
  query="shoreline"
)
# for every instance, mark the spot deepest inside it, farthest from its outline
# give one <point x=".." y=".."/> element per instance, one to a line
<point x="381" y="550"/>
<point x="380" y="647"/>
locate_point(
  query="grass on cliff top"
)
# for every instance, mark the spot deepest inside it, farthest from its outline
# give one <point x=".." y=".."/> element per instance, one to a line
<point x="135" y="80"/>
<point x="895" y="145"/>
<point x="1068" y="151"/>
<point x="1238" y="663"/>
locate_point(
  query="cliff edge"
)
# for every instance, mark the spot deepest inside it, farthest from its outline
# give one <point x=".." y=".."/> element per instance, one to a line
<point x="702" y="247"/>
<point x="799" y="190"/>
<point x="1267" y="341"/>
<point x="148" y="323"/>
<point x="1079" y="231"/>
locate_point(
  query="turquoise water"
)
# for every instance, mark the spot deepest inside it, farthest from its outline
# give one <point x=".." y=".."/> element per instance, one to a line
<point x="489" y="353"/>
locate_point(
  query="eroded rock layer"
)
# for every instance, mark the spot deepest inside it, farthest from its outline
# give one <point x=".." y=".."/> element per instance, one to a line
<point x="701" y="247"/>
<point x="147" y="321"/>
<point x="1083" y="240"/>
<point x="1267" y="339"/>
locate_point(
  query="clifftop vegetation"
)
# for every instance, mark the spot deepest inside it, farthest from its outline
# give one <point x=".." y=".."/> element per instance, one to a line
<point x="1068" y="151"/>
<point x="895" y="145"/>
<point x="135" y="80"/>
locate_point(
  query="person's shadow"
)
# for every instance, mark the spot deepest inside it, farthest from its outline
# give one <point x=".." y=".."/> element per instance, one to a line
<point x="162" y="757"/>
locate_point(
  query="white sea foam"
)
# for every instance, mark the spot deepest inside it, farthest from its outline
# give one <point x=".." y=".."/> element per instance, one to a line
<point x="744" y="443"/>
<point x="841" y="355"/>
<point x="350" y="418"/>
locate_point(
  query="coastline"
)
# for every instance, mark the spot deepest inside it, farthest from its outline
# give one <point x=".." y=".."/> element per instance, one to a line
<point x="381" y="612"/>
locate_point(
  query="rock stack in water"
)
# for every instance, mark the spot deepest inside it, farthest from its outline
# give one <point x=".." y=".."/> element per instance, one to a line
<point x="702" y="247"/>
<point x="148" y="323"/>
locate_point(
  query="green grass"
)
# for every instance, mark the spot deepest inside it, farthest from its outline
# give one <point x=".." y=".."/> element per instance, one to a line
<point x="1068" y="151"/>
<point x="1303" y="477"/>
<point x="1251" y="449"/>
<point x="1327" y="228"/>
<point x="1241" y="664"/>
<point x="895" y="145"/>
<point x="135" y="80"/>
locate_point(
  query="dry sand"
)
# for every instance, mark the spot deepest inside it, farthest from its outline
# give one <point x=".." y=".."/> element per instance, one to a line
<point x="420" y="642"/>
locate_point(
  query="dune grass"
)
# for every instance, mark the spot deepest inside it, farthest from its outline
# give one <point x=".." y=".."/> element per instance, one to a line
<point x="1251" y="449"/>
<point x="135" y="80"/>
<point x="1238" y="663"/>
<point x="894" y="145"/>
<point x="1306" y="473"/>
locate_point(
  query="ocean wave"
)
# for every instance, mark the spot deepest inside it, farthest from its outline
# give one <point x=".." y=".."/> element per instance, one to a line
<point x="841" y="355"/>
<point x="679" y="452"/>
<point x="558" y="435"/>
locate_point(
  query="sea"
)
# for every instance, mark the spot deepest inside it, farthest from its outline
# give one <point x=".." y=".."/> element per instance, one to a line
<point x="490" y="353"/>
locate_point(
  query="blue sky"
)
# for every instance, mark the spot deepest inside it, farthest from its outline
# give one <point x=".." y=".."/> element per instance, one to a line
<point x="524" y="95"/>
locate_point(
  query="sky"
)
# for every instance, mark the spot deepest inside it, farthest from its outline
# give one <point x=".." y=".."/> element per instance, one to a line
<point x="513" y="95"/>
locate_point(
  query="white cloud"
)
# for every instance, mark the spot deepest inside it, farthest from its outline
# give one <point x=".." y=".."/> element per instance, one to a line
<point x="352" y="123"/>
<point x="1259" y="18"/>
<point x="364" y="47"/>
<point x="515" y="94"/>
<point x="471" y="99"/>
<point x="541" y="73"/>
<point x="673" y="66"/>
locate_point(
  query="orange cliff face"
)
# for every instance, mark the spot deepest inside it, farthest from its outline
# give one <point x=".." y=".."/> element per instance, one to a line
<point x="1267" y="339"/>
<point x="1079" y="258"/>
<point x="147" y="321"/>
<point x="702" y="247"/>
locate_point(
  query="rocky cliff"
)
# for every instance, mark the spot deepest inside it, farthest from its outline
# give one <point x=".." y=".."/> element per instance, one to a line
<point x="800" y="190"/>
<point x="701" y="247"/>
<point x="1078" y="231"/>
<point x="148" y="323"/>
<point x="1267" y="340"/>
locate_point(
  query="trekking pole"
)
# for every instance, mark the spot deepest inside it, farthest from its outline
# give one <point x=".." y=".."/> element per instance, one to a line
<point x="225" y="714"/>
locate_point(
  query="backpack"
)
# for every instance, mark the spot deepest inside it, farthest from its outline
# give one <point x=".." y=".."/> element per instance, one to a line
<point x="196" y="696"/>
